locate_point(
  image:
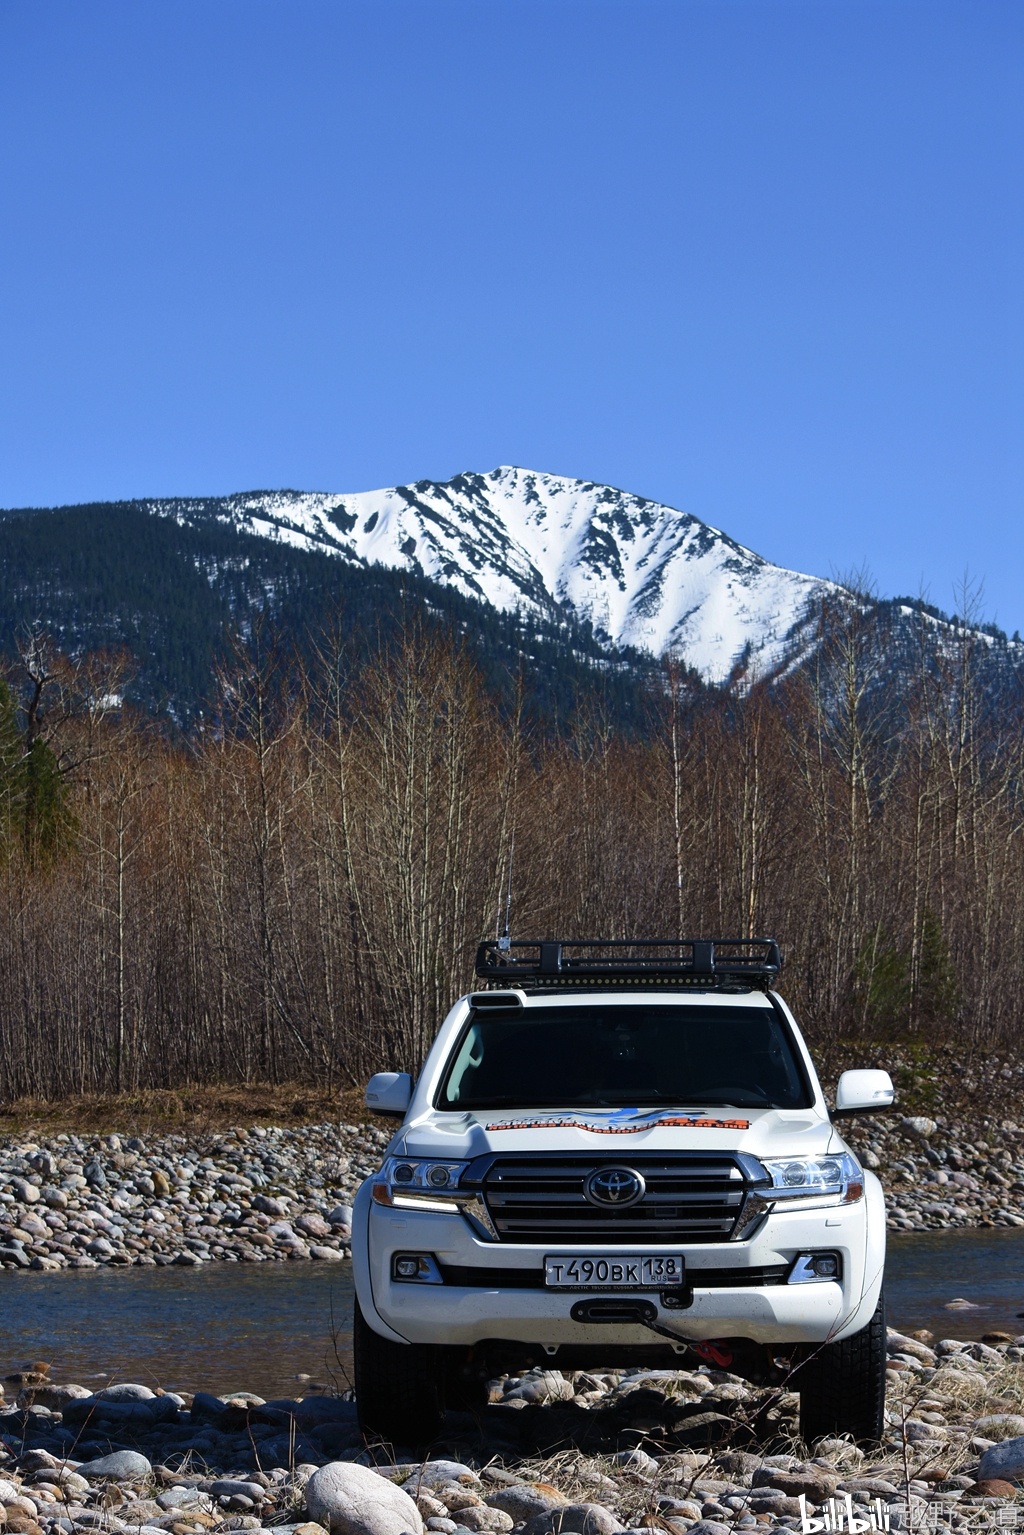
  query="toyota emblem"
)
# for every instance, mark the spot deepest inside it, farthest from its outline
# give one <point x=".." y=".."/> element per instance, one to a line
<point x="618" y="1186"/>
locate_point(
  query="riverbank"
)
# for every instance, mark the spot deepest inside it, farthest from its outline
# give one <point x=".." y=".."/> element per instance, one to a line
<point x="251" y="1195"/>
<point x="260" y="1193"/>
<point x="597" y="1452"/>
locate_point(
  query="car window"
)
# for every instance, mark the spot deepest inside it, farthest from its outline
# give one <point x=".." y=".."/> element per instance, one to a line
<point x="625" y="1055"/>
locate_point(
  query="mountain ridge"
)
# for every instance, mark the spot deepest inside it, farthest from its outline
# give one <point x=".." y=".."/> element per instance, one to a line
<point x="575" y="588"/>
<point x="644" y="574"/>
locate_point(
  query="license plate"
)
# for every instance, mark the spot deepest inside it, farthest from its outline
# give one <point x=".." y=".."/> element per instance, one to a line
<point x="625" y="1271"/>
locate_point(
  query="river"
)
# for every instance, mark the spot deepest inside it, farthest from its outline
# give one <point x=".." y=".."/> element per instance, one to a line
<point x="277" y="1328"/>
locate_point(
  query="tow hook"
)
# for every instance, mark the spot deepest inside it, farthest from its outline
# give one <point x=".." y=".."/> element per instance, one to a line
<point x="711" y="1353"/>
<point x="643" y="1313"/>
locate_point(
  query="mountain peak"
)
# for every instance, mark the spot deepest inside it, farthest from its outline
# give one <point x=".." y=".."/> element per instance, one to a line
<point x="642" y="573"/>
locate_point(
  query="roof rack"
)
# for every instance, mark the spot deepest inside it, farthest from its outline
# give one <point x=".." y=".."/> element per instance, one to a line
<point x="579" y="964"/>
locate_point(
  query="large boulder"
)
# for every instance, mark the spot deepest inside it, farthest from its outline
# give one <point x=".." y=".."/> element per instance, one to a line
<point x="353" y="1500"/>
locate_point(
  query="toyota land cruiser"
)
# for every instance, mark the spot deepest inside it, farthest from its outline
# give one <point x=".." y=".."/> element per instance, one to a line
<point x="620" y="1153"/>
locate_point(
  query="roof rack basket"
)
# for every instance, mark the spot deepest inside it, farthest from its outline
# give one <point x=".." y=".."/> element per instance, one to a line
<point x="669" y="963"/>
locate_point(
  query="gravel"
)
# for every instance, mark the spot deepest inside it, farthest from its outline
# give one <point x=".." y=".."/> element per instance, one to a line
<point x="243" y="1196"/>
<point x="945" y="1172"/>
<point x="643" y="1454"/>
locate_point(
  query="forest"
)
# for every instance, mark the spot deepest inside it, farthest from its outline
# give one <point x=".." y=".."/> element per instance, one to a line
<point x="293" y="889"/>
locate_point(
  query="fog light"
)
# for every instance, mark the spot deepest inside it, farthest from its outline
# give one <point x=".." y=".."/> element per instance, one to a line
<point x="809" y="1267"/>
<point x="415" y="1268"/>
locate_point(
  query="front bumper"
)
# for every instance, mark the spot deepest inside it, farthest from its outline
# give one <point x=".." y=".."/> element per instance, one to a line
<point x="771" y="1312"/>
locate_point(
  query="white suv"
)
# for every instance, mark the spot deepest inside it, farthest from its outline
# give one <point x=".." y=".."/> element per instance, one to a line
<point x="620" y="1153"/>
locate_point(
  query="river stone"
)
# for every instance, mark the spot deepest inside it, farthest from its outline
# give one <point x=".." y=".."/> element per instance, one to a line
<point x="1000" y="1426"/>
<point x="917" y="1124"/>
<point x="25" y="1191"/>
<point x="131" y="1414"/>
<point x="206" y="1406"/>
<point x="353" y="1500"/>
<point x="1003" y="1462"/>
<point x="877" y="1486"/>
<point x="144" y="1511"/>
<point x="8" y="1491"/>
<point x="544" y="1386"/>
<point x="435" y="1473"/>
<point x="814" y="1481"/>
<point x="228" y="1487"/>
<point x="899" y="1343"/>
<point x="484" y="1518"/>
<point x="276" y="1208"/>
<point x="184" y="1497"/>
<point x="326" y="1254"/>
<point x="19" y="1523"/>
<point x="126" y="1465"/>
<point x="577" y="1518"/>
<point x="522" y="1502"/>
<point x="636" y="1460"/>
<point x="313" y="1225"/>
<point x="125" y="1392"/>
<point x="919" y="1432"/>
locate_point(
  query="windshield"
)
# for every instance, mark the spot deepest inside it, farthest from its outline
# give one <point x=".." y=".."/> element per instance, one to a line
<point x="625" y="1055"/>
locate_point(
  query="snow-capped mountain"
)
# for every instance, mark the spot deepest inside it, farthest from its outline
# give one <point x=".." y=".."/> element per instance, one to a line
<point x="644" y="574"/>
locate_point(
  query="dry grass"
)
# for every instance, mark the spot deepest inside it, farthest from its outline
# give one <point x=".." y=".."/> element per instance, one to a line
<point x="191" y="1109"/>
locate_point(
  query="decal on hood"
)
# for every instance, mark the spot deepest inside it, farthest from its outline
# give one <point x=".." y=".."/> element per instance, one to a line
<point x="621" y="1122"/>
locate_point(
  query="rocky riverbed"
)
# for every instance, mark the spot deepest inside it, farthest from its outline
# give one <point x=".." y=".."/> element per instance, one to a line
<point x="594" y="1452"/>
<point x="254" y="1194"/>
<point x="242" y="1196"/>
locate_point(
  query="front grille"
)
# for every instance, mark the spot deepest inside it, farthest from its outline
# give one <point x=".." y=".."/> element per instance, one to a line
<point x="687" y="1199"/>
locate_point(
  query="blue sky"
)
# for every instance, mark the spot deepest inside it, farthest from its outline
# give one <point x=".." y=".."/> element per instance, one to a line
<point x="760" y="259"/>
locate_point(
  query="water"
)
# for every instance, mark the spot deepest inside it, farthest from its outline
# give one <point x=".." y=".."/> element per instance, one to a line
<point x="274" y="1328"/>
<point x="927" y="1269"/>
<point x="264" y="1327"/>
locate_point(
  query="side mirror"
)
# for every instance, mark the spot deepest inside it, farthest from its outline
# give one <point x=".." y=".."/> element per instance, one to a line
<point x="859" y="1092"/>
<point x="389" y="1092"/>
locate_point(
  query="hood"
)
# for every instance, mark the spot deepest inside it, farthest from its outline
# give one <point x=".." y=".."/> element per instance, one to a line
<point x="616" y="1132"/>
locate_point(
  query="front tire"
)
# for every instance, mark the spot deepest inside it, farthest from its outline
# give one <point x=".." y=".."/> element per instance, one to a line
<point x="842" y="1386"/>
<point x="399" y="1387"/>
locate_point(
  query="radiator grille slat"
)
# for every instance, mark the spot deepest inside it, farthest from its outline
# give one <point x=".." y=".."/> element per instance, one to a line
<point x="542" y="1199"/>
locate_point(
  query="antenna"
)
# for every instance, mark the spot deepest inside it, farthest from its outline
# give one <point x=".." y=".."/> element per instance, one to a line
<point x="504" y="941"/>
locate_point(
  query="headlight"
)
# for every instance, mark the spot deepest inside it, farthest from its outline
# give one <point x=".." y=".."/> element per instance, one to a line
<point x="420" y="1185"/>
<point x="838" y="1180"/>
<point x="405" y="1173"/>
